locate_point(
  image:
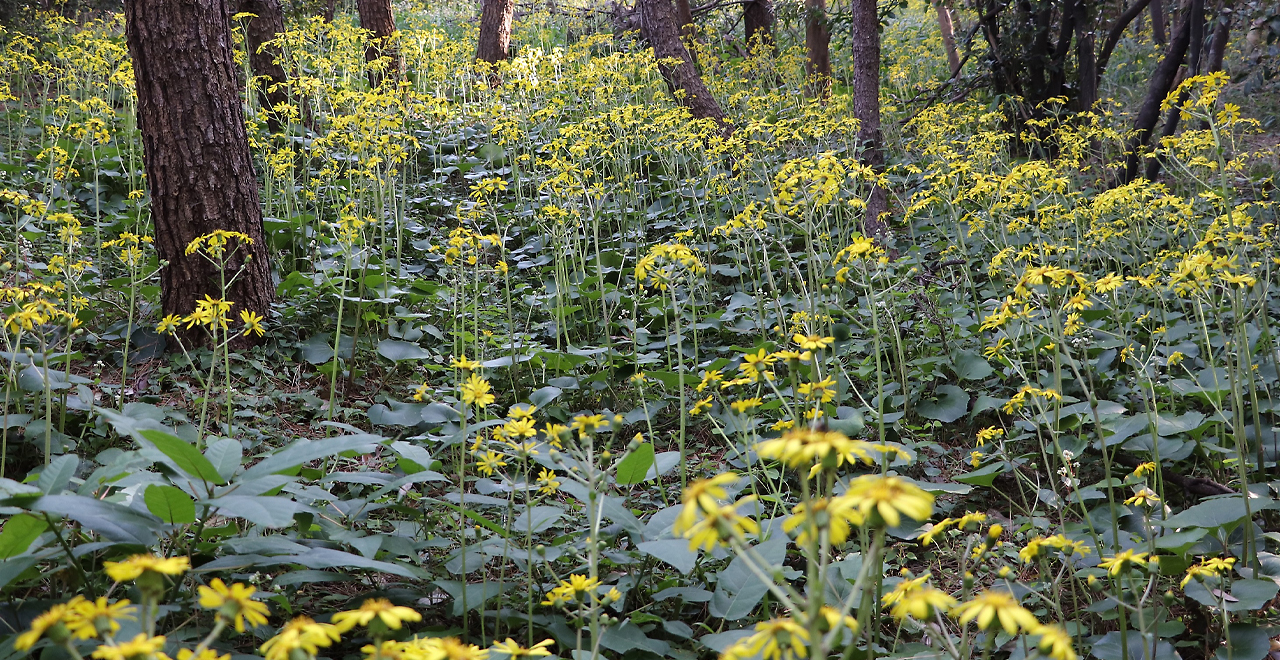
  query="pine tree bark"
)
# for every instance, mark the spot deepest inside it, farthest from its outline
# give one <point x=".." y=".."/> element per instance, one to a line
<point x="684" y="17"/>
<point x="377" y="17"/>
<point x="866" y="106"/>
<point x="1159" y="33"/>
<point x="265" y="27"/>
<point x="495" y="30"/>
<point x="758" y="18"/>
<point x="817" y="41"/>
<point x="1161" y="82"/>
<point x="196" y="149"/>
<point x="948" y="35"/>
<point x="658" y="26"/>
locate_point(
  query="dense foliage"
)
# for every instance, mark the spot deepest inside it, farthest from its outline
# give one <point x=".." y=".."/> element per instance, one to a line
<point x="557" y="370"/>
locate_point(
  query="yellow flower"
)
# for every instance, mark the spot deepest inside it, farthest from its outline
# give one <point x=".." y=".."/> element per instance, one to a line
<point x="489" y="462"/>
<point x="235" y="602"/>
<point x="548" y="484"/>
<point x="252" y="323"/>
<point x="746" y="404"/>
<point x="719" y="523"/>
<point x="91" y="618"/>
<point x="1208" y="568"/>
<point x="1000" y="607"/>
<point x="881" y="498"/>
<point x="916" y="599"/>
<point x="133" y="567"/>
<point x="207" y="654"/>
<point x="778" y="639"/>
<point x="989" y="433"/>
<point x="700" y="406"/>
<point x="1055" y="642"/>
<point x="702" y="495"/>
<point x="585" y="424"/>
<point x="140" y="646"/>
<point x="168" y="324"/>
<point x="1117" y="564"/>
<point x="53" y="622"/>
<point x="452" y="648"/>
<point x="823" y="448"/>
<point x="475" y="391"/>
<point x="812" y="342"/>
<point x="392" y="616"/>
<point x="1144" y="497"/>
<point x="837" y="515"/>
<point x="513" y="649"/>
<point x="464" y="363"/>
<point x="300" y="633"/>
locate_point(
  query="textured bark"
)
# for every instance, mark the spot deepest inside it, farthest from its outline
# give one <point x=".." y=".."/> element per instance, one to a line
<point x="376" y="16"/>
<point x="1220" y="39"/>
<point x="1086" y="62"/>
<point x="199" y="170"/>
<point x="1157" y="90"/>
<point x="948" y="35"/>
<point x="684" y="17"/>
<point x="817" y="41"/>
<point x="658" y="26"/>
<point x="1195" y="46"/>
<point x="1117" y="31"/>
<point x="1158" y="30"/>
<point x="866" y="105"/>
<point x="757" y="19"/>
<point x="330" y="8"/>
<point x="495" y="30"/>
<point x="266" y="26"/>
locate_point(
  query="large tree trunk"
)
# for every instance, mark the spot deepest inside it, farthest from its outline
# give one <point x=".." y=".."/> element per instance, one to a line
<point x="1117" y="31"/>
<point x="495" y="30"/>
<point x="330" y="8"/>
<point x="866" y="106"/>
<point x="1158" y="30"/>
<point x="817" y="41"/>
<point x="757" y="20"/>
<point x="948" y="35"/>
<point x="658" y="26"/>
<point x="266" y="26"/>
<point x="1161" y="82"/>
<point x="199" y="170"/>
<point x="376" y="16"/>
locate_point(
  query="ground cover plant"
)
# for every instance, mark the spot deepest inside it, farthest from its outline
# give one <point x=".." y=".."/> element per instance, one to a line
<point x="556" y="369"/>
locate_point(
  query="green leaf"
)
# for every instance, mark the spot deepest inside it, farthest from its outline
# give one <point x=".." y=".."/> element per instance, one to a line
<point x="115" y="522"/>
<point x="261" y="510"/>
<point x="170" y="504"/>
<point x="57" y="474"/>
<point x="672" y="551"/>
<point x="184" y="455"/>
<point x="305" y="451"/>
<point x="635" y="465"/>
<point x="969" y="365"/>
<point x="19" y="533"/>
<point x="1210" y="514"/>
<point x="484" y="522"/>
<point x="396" y="350"/>
<point x="471" y="596"/>
<point x="949" y="404"/>
<point x="983" y="476"/>
<point x="1110" y="648"/>
<point x="225" y="456"/>
<point x="1247" y="641"/>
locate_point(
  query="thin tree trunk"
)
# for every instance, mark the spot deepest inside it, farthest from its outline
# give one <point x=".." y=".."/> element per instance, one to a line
<point x="658" y="26"/>
<point x="948" y="35"/>
<point x="684" y="17"/>
<point x="757" y="20"/>
<point x="1221" y="35"/>
<point x="1117" y="31"/>
<point x="495" y="30"/>
<point x="1157" y="90"/>
<point x="817" y="41"/>
<point x="866" y="107"/>
<point x="377" y="17"/>
<point x="1194" y="49"/>
<point x="330" y="8"/>
<point x="199" y="169"/>
<point x="265" y="27"/>
<point x="1086" y="63"/>
<point x="1158" y="30"/>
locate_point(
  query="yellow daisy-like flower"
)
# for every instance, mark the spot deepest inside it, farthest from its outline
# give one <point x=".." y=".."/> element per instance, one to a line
<point x="1055" y="642"/>
<point x="168" y="324"/>
<point x="52" y="624"/>
<point x="812" y="342"/>
<point x="1212" y="567"/>
<point x="302" y="633"/>
<point x="702" y="495"/>
<point x="886" y="499"/>
<point x="475" y="391"/>
<point x="1117" y="564"/>
<point x="90" y="618"/>
<point x="778" y="639"/>
<point x="233" y="602"/>
<point x="252" y="323"/>
<point x="916" y="599"/>
<point x="547" y="482"/>
<point x="464" y="363"/>
<point x="392" y="616"/>
<point x="453" y="649"/>
<point x="990" y="607"/>
<point x="837" y="515"/>
<point x="720" y="523"/>
<point x="489" y="462"/>
<point x="133" y="567"/>
<point x="207" y="654"/>
<point x="513" y="649"/>
<point x="140" y="646"/>
<point x="1144" y="497"/>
